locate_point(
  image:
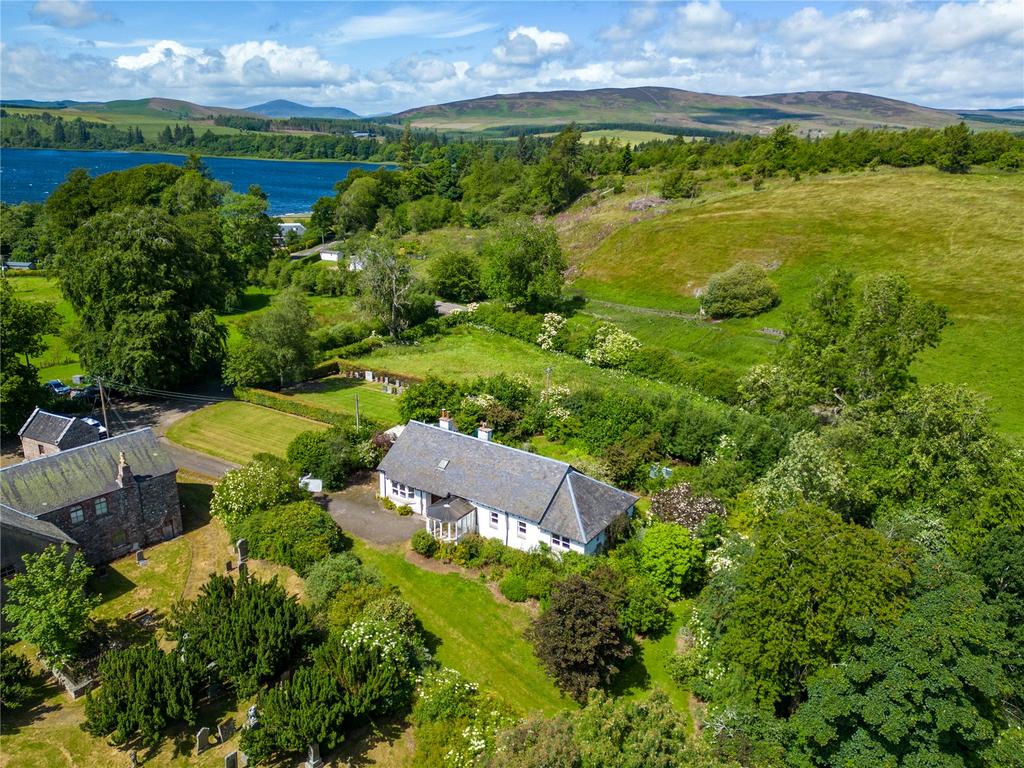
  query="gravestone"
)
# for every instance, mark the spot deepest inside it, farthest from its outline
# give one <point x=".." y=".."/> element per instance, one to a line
<point x="226" y="730"/>
<point x="313" y="759"/>
<point x="140" y="557"/>
<point x="369" y="375"/>
<point x="243" y="570"/>
<point x="134" y="756"/>
<point x="202" y="740"/>
<point x="243" y="550"/>
<point x="251" y="719"/>
<point x="243" y="760"/>
<point x="229" y="565"/>
<point x="231" y="760"/>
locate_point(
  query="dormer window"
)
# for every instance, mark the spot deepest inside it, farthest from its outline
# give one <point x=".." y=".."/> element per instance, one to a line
<point x="442" y="464"/>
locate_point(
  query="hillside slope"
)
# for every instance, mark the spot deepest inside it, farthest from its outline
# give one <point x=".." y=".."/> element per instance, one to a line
<point x="812" y="112"/>
<point x="956" y="238"/>
<point x="284" y="108"/>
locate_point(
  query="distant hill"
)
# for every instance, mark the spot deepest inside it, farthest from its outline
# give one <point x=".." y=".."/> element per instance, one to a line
<point x="282" y="108"/>
<point x="151" y="107"/>
<point x="813" y="112"/>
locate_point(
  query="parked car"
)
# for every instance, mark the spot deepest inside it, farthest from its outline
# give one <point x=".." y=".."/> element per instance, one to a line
<point x="99" y="427"/>
<point x="58" y="387"/>
<point x="89" y="393"/>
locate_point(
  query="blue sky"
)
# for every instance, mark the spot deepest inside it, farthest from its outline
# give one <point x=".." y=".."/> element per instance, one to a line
<point x="382" y="57"/>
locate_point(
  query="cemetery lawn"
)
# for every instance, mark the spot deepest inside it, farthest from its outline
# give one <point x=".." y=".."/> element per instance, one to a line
<point x="237" y="431"/>
<point x="48" y="734"/>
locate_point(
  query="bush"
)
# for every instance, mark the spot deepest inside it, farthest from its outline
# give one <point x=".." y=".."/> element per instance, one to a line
<point x="352" y="600"/>
<point x="513" y="587"/>
<point x="612" y="348"/>
<point x="328" y="576"/>
<point x="404" y="510"/>
<point x="645" y="610"/>
<point x="672" y="557"/>
<point x="467" y="552"/>
<point x="297" y="535"/>
<point x="424" y="543"/>
<point x="252" y="488"/>
<point x="330" y="455"/>
<point x="15" y="676"/>
<point x="455" y="276"/>
<point x="743" y="290"/>
<point x="680" y="184"/>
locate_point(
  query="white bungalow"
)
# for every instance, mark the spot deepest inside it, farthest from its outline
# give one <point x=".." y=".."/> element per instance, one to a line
<point x="464" y="484"/>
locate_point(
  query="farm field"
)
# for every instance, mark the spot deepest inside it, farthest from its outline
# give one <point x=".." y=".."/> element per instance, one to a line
<point x="150" y="122"/>
<point x="237" y="431"/>
<point x="957" y="239"/>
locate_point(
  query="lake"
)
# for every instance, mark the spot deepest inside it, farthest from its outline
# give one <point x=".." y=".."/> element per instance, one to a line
<point x="30" y="175"/>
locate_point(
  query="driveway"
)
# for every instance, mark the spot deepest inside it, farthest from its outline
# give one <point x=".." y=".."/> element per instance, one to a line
<point x="356" y="510"/>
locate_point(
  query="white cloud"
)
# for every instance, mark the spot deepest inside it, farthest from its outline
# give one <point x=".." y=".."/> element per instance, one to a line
<point x="410" y="20"/>
<point x="69" y="14"/>
<point x="529" y="45"/>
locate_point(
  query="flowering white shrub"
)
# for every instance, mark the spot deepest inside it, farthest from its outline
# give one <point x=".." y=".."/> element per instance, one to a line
<point x="613" y="347"/>
<point x="555" y="395"/>
<point x="553" y="323"/>
<point x="812" y="471"/>
<point x="252" y="488"/>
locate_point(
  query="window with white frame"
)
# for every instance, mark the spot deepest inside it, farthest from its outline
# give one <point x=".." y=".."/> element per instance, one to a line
<point x="402" y="490"/>
<point x="521" y="529"/>
<point x="494" y="519"/>
<point x="559" y="541"/>
<point x="101" y="507"/>
<point x="77" y="515"/>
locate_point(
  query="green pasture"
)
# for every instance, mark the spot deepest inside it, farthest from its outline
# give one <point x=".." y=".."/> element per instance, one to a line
<point x="958" y="239"/>
<point x="238" y="431"/>
<point x="150" y="122"/>
<point x="58" y="361"/>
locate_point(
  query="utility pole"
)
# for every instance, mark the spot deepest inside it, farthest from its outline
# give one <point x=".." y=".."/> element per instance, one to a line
<point x="357" y="410"/>
<point x="103" y="407"/>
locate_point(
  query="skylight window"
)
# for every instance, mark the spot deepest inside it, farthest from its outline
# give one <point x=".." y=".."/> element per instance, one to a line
<point x="442" y="464"/>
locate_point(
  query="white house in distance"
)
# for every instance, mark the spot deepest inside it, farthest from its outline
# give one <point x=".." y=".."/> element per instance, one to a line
<point x="464" y="484"/>
<point x="290" y="226"/>
<point x="353" y="263"/>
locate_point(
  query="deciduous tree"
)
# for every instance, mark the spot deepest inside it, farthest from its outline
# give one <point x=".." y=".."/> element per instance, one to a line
<point x="23" y="324"/>
<point x="47" y="604"/>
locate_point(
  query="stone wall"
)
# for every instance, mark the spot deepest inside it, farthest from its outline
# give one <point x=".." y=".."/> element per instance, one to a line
<point x="144" y="512"/>
<point x="33" y="449"/>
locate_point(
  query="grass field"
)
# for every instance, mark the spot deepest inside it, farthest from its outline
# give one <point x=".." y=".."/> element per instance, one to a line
<point x="238" y="431"/>
<point x="57" y="362"/>
<point x="476" y="635"/>
<point x="467" y="353"/>
<point x="339" y="394"/>
<point x="958" y="239"/>
<point x="150" y="122"/>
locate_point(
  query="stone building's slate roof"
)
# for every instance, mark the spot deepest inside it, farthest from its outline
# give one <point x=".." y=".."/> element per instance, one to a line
<point x="46" y="427"/>
<point x="547" y="492"/>
<point x="12" y="518"/>
<point x="41" y="485"/>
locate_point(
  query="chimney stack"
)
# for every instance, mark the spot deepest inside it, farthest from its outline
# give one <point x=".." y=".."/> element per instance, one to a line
<point x="446" y="421"/>
<point x="484" y="432"/>
<point x="124" y="472"/>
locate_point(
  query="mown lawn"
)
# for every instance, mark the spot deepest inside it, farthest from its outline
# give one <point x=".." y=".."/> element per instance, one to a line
<point x="958" y="240"/>
<point x="238" y="431"/>
<point x="57" y="361"/>
<point x="339" y="393"/>
<point x="474" y="634"/>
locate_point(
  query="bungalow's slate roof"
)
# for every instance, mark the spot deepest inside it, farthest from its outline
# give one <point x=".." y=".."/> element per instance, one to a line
<point x="544" y="491"/>
<point x="12" y="518"/>
<point x="51" y="482"/>
<point x="46" y="427"/>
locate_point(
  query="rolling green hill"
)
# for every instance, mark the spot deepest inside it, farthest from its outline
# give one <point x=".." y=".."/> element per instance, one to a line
<point x="812" y="112"/>
<point x="956" y="238"/>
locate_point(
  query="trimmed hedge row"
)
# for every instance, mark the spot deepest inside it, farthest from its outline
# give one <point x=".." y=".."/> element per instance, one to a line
<point x="287" y="405"/>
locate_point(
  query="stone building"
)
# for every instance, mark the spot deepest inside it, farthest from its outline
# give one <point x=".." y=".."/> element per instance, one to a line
<point x="108" y="498"/>
<point x="45" y="433"/>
